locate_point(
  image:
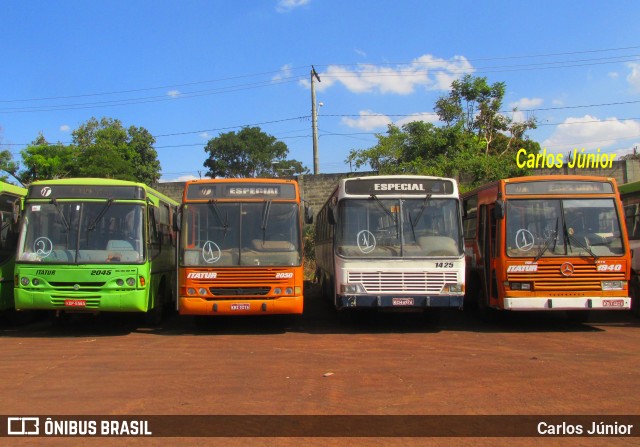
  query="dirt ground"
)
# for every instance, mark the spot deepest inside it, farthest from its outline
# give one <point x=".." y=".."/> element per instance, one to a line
<point x="453" y="363"/>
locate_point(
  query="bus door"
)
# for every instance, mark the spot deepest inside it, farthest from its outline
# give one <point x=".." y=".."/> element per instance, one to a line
<point x="488" y="249"/>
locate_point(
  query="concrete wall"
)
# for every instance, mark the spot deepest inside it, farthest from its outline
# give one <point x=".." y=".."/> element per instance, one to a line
<point x="315" y="189"/>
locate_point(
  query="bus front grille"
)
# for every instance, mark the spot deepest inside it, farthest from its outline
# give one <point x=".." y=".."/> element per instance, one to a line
<point x="403" y="282"/>
<point x="548" y="277"/>
<point x="239" y="291"/>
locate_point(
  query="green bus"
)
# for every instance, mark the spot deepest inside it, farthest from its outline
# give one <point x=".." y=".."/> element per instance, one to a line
<point x="93" y="245"/>
<point x="10" y="204"/>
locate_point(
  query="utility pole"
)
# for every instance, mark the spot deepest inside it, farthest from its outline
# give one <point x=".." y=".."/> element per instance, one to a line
<point x="314" y="121"/>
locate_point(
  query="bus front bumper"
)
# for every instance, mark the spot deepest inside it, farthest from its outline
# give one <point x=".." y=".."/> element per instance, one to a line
<point x="566" y="303"/>
<point x="199" y="306"/>
<point x="398" y="302"/>
<point x="133" y="301"/>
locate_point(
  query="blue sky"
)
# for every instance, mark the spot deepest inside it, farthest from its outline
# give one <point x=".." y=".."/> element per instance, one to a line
<point x="190" y="70"/>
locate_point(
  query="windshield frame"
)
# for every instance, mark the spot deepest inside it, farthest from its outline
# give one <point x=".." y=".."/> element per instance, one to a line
<point x="222" y="234"/>
<point x="404" y="228"/>
<point x="557" y="227"/>
<point x="118" y="236"/>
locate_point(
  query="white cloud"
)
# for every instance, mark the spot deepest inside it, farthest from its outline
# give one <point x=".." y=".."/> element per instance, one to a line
<point x="65" y="128"/>
<point x="426" y="71"/>
<point x="284" y="73"/>
<point x="173" y="93"/>
<point x="522" y="105"/>
<point x="205" y="135"/>
<point x="613" y="74"/>
<point x="590" y="133"/>
<point x="557" y="102"/>
<point x="427" y="117"/>
<point x="360" y="52"/>
<point x="627" y="149"/>
<point x="368" y="120"/>
<point x="634" y="77"/>
<point x="289" y="5"/>
<point x="182" y="178"/>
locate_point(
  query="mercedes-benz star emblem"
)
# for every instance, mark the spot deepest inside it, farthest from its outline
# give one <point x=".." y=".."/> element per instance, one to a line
<point x="566" y="269"/>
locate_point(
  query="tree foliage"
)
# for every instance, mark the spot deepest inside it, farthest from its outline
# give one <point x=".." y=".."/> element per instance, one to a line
<point x="476" y="144"/>
<point x="249" y="153"/>
<point x="99" y="148"/>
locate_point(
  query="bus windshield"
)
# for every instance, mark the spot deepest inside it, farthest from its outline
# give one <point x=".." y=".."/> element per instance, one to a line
<point x="224" y="234"/>
<point x="563" y="227"/>
<point x="82" y="233"/>
<point x="396" y="228"/>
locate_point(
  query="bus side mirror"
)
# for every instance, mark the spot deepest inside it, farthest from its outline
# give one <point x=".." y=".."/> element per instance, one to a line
<point x="308" y="214"/>
<point x="499" y="210"/>
<point x="331" y="217"/>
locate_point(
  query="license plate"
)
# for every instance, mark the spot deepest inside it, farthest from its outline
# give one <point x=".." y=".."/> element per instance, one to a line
<point x="612" y="303"/>
<point x="402" y="301"/>
<point x="241" y="306"/>
<point x="75" y="303"/>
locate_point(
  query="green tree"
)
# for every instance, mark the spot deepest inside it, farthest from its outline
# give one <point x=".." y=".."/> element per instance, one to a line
<point x="106" y="149"/>
<point x="476" y="105"/>
<point x="43" y="160"/>
<point x="476" y="144"/>
<point x="249" y="153"/>
<point x="9" y="166"/>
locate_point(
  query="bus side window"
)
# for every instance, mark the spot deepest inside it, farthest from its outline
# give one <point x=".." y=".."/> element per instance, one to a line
<point x="154" y="236"/>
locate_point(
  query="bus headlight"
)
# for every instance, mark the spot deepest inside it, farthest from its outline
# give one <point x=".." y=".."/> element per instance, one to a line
<point x="191" y="291"/>
<point x="454" y="288"/>
<point x="131" y="282"/>
<point x="520" y="286"/>
<point x="611" y="285"/>
<point x="288" y="291"/>
<point x="277" y="291"/>
<point x="24" y="281"/>
<point x="35" y="281"/>
<point x="202" y="291"/>
<point x="120" y="282"/>
<point x="351" y="288"/>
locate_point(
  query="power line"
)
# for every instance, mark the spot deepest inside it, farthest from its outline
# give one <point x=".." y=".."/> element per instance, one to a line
<point x="288" y="78"/>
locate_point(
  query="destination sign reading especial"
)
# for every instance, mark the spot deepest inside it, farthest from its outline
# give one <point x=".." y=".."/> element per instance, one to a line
<point x="400" y="185"/>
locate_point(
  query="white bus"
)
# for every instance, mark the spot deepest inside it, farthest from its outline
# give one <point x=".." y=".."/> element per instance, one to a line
<point x="391" y="242"/>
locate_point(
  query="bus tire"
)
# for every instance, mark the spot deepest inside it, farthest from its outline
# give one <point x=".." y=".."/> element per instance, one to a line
<point x="153" y="316"/>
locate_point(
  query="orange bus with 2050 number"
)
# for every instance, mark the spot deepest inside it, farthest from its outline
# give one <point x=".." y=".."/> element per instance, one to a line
<point x="240" y="247"/>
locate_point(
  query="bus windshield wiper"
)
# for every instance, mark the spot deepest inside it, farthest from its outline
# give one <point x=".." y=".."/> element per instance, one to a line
<point x="100" y="216"/>
<point x="64" y="219"/>
<point x="571" y="237"/>
<point x="547" y="242"/>
<point x="422" y="208"/>
<point x="265" y="218"/>
<point x="389" y="213"/>
<point x="216" y="209"/>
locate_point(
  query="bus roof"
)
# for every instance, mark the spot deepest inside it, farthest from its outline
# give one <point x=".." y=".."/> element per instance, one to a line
<point x="95" y="193"/>
<point x="241" y="188"/>
<point x="12" y="189"/>
<point x="543" y="178"/>
<point x="629" y="188"/>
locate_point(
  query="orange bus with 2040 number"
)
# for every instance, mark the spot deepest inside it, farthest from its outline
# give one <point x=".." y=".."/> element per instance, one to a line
<point x="240" y="247"/>
<point x="546" y="243"/>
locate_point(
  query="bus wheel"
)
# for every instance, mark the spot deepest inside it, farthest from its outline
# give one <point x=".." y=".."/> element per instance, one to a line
<point x="153" y="317"/>
<point x="577" y="316"/>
